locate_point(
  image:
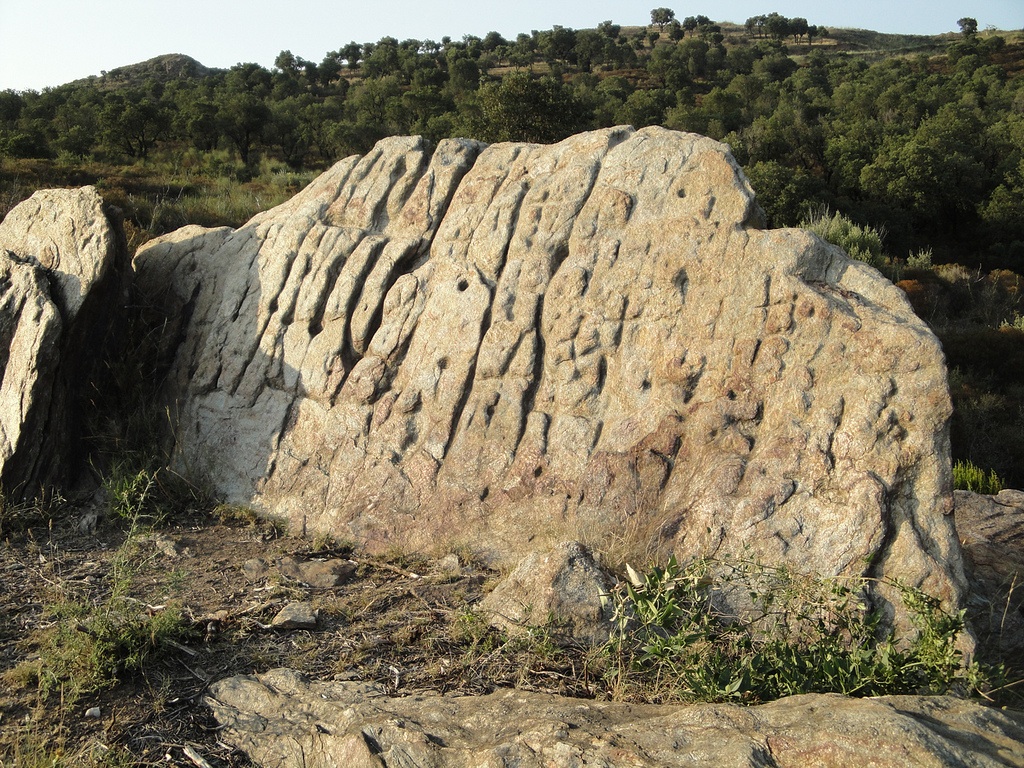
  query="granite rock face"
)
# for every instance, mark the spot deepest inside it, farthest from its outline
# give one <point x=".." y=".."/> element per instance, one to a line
<point x="504" y="347"/>
<point x="282" y="719"/>
<point x="61" y="257"/>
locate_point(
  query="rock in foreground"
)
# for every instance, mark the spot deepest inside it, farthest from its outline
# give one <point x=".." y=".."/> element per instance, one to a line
<point x="505" y="347"/>
<point x="282" y="719"/>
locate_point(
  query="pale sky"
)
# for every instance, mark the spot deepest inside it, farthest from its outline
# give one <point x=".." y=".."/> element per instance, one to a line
<point x="51" y="42"/>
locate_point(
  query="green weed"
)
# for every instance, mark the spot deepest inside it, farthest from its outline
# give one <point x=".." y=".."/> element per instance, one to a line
<point x="1017" y="323"/>
<point x="131" y="494"/>
<point x="92" y="646"/>
<point x="921" y="259"/>
<point x="676" y="640"/>
<point x="94" y="640"/>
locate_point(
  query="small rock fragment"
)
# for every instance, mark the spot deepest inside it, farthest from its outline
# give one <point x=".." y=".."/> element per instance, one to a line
<point x="89" y="522"/>
<point x="295" y="616"/>
<point x="255" y="569"/>
<point x="317" y="573"/>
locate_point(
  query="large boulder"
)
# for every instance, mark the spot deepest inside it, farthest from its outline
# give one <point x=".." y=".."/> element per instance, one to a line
<point x="282" y="719"/>
<point x="62" y="257"/>
<point x="508" y="346"/>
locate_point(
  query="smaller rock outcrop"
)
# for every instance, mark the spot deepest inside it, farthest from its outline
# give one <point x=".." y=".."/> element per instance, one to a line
<point x="559" y="590"/>
<point x="295" y="616"/>
<point x="991" y="529"/>
<point x="282" y="719"/>
<point x="316" y="573"/>
<point x="62" y="255"/>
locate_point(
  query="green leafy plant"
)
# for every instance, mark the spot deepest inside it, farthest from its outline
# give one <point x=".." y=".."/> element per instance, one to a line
<point x="130" y="493"/>
<point x="677" y="638"/>
<point x="863" y="243"/>
<point x="969" y="477"/>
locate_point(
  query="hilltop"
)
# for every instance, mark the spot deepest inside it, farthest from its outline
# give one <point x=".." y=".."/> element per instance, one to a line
<point x="162" y="69"/>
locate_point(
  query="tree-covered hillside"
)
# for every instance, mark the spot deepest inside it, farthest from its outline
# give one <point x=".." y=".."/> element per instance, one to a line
<point x="920" y="139"/>
<point x="927" y="143"/>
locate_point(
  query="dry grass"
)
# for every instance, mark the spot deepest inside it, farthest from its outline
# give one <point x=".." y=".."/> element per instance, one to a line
<point x="403" y="623"/>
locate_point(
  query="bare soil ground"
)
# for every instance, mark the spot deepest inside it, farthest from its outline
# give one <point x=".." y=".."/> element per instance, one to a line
<point x="405" y="624"/>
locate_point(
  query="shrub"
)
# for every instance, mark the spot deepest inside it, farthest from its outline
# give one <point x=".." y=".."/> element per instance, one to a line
<point x="922" y="259"/>
<point x="130" y="494"/>
<point x="863" y="243"/>
<point x="969" y="477"/>
<point x="92" y="646"/>
<point x="1016" y="324"/>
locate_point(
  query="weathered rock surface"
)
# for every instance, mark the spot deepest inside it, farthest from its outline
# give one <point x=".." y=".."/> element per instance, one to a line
<point x="295" y="616"/>
<point x="60" y="259"/>
<point x="505" y="347"/>
<point x="992" y="531"/>
<point x="559" y="589"/>
<point x="283" y="719"/>
<point x="320" y="574"/>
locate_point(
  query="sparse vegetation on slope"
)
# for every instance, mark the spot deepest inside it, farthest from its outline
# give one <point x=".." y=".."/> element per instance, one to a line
<point x="795" y="634"/>
<point x="136" y="622"/>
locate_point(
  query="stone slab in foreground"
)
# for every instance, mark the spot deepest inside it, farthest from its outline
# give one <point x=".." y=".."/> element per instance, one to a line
<point x="282" y="719"/>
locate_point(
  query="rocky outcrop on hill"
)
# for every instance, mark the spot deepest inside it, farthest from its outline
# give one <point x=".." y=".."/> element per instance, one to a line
<point x="60" y="262"/>
<point x="508" y="346"/>
<point x="282" y="719"/>
<point x="163" y="69"/>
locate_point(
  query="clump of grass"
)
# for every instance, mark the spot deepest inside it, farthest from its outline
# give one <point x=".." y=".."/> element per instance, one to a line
<point x="94" y="640"/>
<point x="675" y="640"/>
<point x="16" y="517"/>
<point x="92" y="645"/>
<point x="967" y="476"/>
<point x="1017" y="323"/>
<point x="271" y="526"/>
